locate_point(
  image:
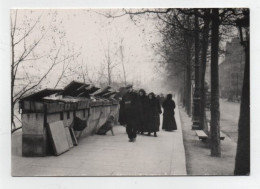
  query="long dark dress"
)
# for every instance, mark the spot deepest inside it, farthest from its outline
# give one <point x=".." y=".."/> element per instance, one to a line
<point x="144" y="116"/>
<point x="153" y="115"/>
<point x="169" y="122"/>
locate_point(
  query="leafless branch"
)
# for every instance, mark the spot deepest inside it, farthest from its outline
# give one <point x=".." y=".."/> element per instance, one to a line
<point x="126" y="12"/>
<point x="25" y="53"/>
<point x="43" y="77"/>
<point x="29" y="31"/>
<point x="14" y="26"/>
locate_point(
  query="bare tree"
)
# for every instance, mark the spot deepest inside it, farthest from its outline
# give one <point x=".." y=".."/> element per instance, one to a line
<point x="121" y="50"/>
<point x="242" y="165"/>
<point x="109" y="61"/>
<point x="203" y="63"/>
<point x="25" y="39"/>
<point x="66" y="64"/>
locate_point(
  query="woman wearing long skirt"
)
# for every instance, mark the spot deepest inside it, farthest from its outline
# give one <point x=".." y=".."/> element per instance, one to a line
<point x="153" y="114"/>
<point x="169" y="123"/>
<point x="143" y="99"/>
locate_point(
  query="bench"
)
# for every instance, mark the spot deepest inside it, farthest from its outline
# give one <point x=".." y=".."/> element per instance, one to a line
<point x="203" y="136"/>
<point x="222" y="136"/>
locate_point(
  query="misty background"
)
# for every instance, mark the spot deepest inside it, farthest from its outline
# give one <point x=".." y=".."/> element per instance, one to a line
<point x="81" y="41"/>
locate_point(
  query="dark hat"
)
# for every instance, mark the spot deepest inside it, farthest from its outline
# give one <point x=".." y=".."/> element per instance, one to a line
<point x="143" y="91"/>
<point x="169" y="96"/>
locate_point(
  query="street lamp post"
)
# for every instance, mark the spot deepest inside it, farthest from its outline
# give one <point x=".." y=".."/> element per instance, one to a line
<point x="242" y="164"/>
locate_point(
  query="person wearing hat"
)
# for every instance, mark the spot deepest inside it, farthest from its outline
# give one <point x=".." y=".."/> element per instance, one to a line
<point x="131" y="109"/>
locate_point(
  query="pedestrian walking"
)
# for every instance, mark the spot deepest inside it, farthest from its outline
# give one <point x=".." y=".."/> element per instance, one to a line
<point x="143" y="99"/>
<point x="169" y="123"/>
<point x="131" y="110"/>
<point x="153" y="114"/>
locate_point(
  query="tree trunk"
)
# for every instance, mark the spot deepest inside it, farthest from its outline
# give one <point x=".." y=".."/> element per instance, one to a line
<point x="242" y="165"/>
<point x="109" y="71"/>
<point x="196" y="94"/>
<point x="122" y="61"/>
<point x="215" y="114"/>
<point x="205" y="43"/>
<point x="12" y="84"/>
<point x="184" y="90"/>
<point x="188" y="84"/>
<point x="188" y="46"/>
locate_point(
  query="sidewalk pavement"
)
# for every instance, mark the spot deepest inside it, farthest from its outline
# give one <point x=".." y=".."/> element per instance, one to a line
<point x="109" y="156"/>
<point x="199" y="160"/>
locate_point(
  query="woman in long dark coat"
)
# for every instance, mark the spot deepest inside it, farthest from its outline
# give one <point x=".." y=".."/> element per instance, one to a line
<point x="169" y="123"/>
<point x="153" y="114"/>
<point x="143" y="99"/>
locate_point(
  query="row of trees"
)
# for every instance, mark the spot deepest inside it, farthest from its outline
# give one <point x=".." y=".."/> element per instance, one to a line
<point x="191" y="38"/>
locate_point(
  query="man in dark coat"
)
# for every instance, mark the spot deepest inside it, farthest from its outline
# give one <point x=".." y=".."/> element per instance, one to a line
<point x="153" y="113"/>
<point x="121" y="119"/>
<point x="131" y="109"/>
<point x="169" y="122"/>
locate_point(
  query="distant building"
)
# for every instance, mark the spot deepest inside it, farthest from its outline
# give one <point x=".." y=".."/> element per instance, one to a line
<point x="231" y="70"/>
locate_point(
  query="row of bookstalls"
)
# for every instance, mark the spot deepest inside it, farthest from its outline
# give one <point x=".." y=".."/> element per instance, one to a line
<point x="53" y="120"/>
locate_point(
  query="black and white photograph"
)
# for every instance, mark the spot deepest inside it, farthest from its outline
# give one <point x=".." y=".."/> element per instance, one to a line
<point x="130" y="92"/>
<point x="130" y="96"/>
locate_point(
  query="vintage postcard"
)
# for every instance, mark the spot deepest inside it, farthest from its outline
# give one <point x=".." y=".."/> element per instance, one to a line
<point x="130" y="92"/>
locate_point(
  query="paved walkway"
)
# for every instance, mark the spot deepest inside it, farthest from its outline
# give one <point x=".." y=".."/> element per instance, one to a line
<point x="109" y="156"/>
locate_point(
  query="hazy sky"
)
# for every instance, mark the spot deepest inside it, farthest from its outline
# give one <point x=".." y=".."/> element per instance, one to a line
<point x="90" y="33"/>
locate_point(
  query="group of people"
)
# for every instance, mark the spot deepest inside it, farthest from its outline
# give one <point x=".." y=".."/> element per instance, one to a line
<point x="141" y="113"/>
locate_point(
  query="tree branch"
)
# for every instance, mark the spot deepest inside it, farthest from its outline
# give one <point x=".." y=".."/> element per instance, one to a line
<point x="13" y="27"/>
<point x="30" y="30"/>
<point x="24" y="55"/>
<point x="54" y="63"/>
<point x="133" y="13"/>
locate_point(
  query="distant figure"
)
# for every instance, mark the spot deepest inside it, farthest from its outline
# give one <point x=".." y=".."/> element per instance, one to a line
<point x="161" y="98"/>
<point x="107" y="126"/>
<point x="143" y="98"/>
<point x="153" y="114"/>
<point x="169" y="123"/>
<point x="131" y="112"/>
